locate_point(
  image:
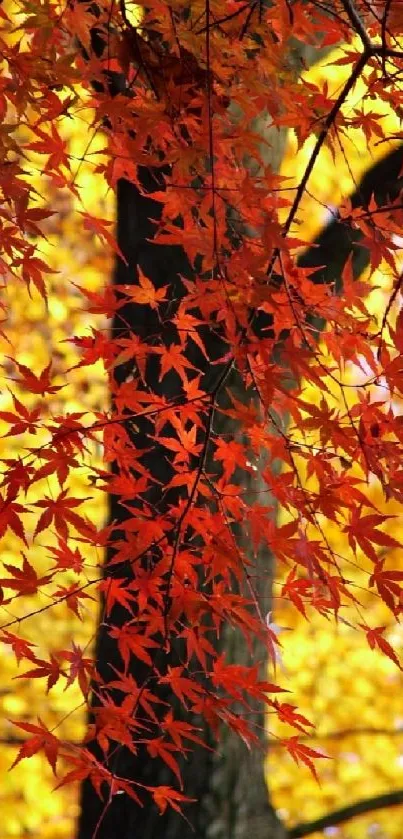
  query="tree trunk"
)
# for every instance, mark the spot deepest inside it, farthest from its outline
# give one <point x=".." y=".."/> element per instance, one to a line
<point x="227" y="781"/>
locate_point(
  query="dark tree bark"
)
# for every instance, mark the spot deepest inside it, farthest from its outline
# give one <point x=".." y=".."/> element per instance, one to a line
<point x="228" y="782"/>
<point x="339" y="239"/>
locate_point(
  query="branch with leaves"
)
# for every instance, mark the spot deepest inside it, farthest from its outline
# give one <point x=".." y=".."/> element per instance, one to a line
<point x="208" y="432"/>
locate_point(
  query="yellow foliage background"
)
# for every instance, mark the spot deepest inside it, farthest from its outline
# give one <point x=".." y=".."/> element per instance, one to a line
<point x="37" y="334"/>
<point x="353" y="695"/>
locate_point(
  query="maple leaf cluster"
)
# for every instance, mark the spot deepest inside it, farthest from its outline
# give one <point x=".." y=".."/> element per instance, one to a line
<point x="192" y="460"/>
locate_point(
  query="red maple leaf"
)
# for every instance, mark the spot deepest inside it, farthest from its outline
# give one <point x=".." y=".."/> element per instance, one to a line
<point x="132" y="641"/>
<point x="100" y="227"/>
<point x="375" y="639"/>
<point x="21" y="647"/>
<point x="81" y="668"/>
<point x="179" y="730"/>
<point x="60" y="510"/>
<point x="49" y="670"/>
<point x="145" y="293"/>
<point x="22" y="421"/>
<point x="43" y="740"/>
<point x="143" y="696"/>
<point x="387" y="583"/>
<point x="166" y="797"/>
<point x="36" y="384"/>
<point x="363" y="530"/>
<point x="65" y="558"/>
<point x="115" y="590"/>
<point x="184" y="688"/>
<point x="164" y="750"/>
<point x="172" y="358"/>
<point x="72" y="595"/>
<point x="52" y="145"/>
<point x="299" y="751"/>
<point x="24" y="580"/>
<point x="10" y="517"/>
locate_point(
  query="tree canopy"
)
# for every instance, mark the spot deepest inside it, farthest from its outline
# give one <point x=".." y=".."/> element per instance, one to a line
<point x="255" y="406"/>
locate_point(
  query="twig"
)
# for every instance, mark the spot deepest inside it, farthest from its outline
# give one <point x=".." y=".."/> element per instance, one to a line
<point x="357" y="23"/>
<point x="383" y="35"/>
<point x="355" y="74"/>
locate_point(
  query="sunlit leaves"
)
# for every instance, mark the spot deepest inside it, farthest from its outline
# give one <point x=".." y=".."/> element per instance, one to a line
<point x="42" y="739"/>
<point x="300" y="752"/>
<point x="308" y="435"/>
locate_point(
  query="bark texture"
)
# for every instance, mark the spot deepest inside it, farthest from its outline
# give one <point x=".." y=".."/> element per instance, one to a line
<point x="228" y="783"/>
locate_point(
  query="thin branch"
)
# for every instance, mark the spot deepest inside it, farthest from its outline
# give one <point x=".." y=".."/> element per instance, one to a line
<point x="384" y="29"/>
<point x="356" y="22"/>
<point x="344" y="814"/>
<point x="330" y="119"/>
<point x="217" y="23"/>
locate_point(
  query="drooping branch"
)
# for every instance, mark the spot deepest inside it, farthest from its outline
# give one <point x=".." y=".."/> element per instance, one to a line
<point x="344" y="814"/>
